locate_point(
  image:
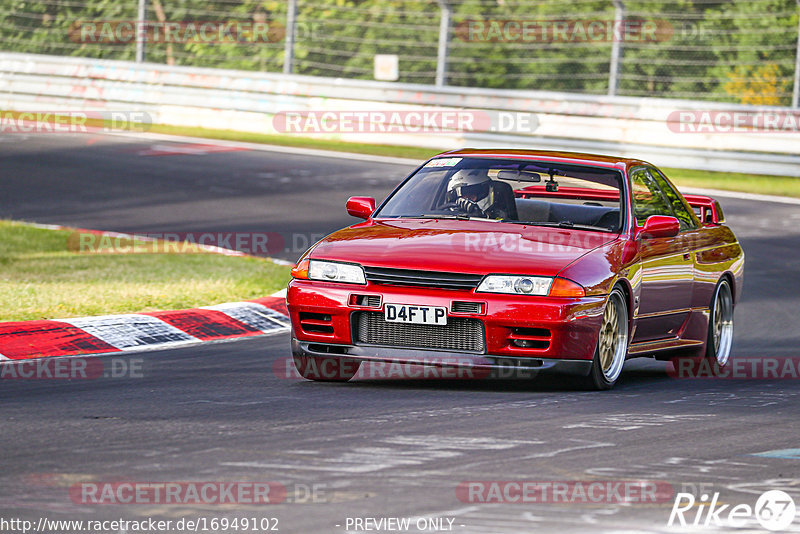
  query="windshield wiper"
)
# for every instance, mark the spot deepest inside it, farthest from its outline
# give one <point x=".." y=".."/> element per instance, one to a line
<point x="442" y="216"/>
<point x="458" y="217"/>
<point x="570" y="224"/>
<point x="531" y="223"/>
<point x="560" y="224"/>
<point x="591" y="227"/>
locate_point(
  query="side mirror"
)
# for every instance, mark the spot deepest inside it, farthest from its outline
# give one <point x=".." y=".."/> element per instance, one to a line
<point x="361" y="207"/>
<point x="660" y="226"/>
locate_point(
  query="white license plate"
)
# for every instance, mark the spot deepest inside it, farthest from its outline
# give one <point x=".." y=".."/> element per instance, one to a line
<point x="408" y="313"/>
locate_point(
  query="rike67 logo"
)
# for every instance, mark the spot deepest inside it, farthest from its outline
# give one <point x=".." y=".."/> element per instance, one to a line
<point x="774" y="510"/>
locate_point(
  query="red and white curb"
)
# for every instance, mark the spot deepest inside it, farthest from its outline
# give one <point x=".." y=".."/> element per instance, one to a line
<point x="142" y="331"/>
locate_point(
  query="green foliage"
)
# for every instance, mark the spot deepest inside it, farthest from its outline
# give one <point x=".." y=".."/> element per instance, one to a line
<point x="714" y="47"/>
<point x="704" y="49"/>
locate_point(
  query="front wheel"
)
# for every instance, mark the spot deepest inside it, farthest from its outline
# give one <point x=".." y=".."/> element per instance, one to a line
<point x="612" y="343"/>
<point x="720" y="325"/>
<point x="322" y="369"/>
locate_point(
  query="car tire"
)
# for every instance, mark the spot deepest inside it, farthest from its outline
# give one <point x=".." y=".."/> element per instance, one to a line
<point x="612" y="344"/>
<point x="720" y="325"/>
<point x="321" y="369"/>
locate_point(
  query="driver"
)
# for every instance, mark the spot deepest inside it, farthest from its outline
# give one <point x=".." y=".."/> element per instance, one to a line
<point x="470" y="190"/>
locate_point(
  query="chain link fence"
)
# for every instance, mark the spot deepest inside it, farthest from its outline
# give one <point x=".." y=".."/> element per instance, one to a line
<point x="736" y="51"/>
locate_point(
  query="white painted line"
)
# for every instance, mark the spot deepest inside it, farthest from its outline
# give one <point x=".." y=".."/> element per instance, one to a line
<point x="281" y="293"/>
<point x="744" y="196"/>
<point x="4" y="358"/>
<point x="392" y="452"/>
<point x="256" y="315"/>
<point x="404" y="161"/>
<point x="273" y="148"/>
<point x="131" y="332"/>
<point x="45" y="226"/>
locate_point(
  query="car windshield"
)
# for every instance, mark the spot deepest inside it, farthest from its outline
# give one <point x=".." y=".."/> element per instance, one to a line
<point x="511" y="190"/>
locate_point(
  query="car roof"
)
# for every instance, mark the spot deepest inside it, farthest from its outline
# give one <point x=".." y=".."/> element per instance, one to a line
<point x="549" y="155"/>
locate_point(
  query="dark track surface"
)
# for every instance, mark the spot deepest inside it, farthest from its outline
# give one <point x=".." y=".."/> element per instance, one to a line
<point x="377" y="448"/>
<point x="109" y="185"/>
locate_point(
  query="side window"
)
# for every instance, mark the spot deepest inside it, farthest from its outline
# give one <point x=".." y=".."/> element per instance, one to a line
<point x="678" y="207"/>
<point x="647" y="198"/>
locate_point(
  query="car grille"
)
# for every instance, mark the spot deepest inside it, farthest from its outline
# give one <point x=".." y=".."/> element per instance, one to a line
<point x="410" y="277"/>
<point x="368" y="301"/>
<point x="459" y="334"/>
<point x="466" y="307"/>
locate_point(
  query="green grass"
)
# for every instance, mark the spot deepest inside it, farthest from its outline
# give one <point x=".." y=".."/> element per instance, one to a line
<point x="749" y="183"/>
<point x="396" y="151"/>
<point x="41" y="278"/>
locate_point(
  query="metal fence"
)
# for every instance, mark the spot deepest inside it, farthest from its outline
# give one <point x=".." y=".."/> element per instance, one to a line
<point x="744" y="52"/>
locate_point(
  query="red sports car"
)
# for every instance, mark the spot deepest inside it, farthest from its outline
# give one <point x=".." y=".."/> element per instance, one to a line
<point x="519" y="259"/>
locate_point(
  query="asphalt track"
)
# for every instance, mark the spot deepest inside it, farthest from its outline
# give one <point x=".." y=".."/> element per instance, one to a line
<point x="374" y="448"/>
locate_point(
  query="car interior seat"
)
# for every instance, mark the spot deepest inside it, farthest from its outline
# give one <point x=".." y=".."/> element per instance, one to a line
<point x="503" y="198"/>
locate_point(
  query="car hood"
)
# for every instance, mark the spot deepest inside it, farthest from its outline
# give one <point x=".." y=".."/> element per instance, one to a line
<point x="475" y="247"/>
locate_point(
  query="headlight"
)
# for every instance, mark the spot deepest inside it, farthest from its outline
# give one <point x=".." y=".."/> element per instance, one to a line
<point x="331" y="271"/>
<point x="515" y="285"/>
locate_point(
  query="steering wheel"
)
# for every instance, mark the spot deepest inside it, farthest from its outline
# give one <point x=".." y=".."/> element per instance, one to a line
<point x="453" y="207"/>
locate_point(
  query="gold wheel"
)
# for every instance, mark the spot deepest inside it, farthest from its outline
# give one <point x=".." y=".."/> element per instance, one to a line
<point x="612" y="345"/>
<point x="608" y="336"/>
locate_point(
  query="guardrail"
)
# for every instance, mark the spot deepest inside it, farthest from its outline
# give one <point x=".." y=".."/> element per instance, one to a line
<point x="651" y="129"/>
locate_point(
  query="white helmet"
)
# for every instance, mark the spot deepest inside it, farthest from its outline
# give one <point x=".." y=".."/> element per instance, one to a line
<point x="469" y="183"/>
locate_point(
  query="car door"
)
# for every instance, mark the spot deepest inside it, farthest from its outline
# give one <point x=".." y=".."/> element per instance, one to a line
<point x="667" y="266"/>
<point x="695" y="238"/>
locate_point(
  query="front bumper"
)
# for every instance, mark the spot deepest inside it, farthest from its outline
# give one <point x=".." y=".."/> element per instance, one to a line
<point x="464" y="365"/>
<point x="566" y="328"/>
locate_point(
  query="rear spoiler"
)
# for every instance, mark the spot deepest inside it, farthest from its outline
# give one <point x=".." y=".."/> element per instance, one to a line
<point x="707" y="209"/>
